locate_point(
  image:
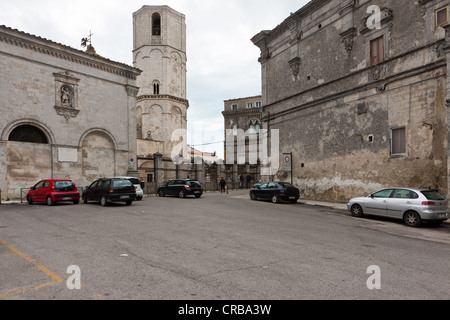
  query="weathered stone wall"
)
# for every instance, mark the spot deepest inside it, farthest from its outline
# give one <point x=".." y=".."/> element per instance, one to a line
<point x="335" y="111"/>
<point x="97" y="126"/>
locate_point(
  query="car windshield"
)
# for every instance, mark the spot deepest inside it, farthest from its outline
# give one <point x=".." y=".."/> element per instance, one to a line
<point x="122" y="184"/>
<point x="64" y="186"/>
<point x="432" y="195"/>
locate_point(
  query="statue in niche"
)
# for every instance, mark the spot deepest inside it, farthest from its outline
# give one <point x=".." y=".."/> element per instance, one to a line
<point x="65" y="97"/>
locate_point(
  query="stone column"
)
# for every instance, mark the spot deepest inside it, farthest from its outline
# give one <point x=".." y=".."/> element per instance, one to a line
<point x="159" y="170"/>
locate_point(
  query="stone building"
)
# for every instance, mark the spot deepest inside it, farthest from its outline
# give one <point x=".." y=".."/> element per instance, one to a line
<point x="62" y="113"/>
<point x="160" y="52"/>
<point x="358" y="92"/>
<point x="242" y="115"/>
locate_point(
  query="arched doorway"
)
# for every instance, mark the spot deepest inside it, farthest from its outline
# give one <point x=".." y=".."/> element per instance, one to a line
<point x="28" y="157"/>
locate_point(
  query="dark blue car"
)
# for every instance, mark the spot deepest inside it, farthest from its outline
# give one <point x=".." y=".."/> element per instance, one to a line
<point x="275" y="191"/>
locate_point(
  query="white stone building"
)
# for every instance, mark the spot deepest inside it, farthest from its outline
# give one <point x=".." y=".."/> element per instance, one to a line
<point x="65" y="113"/>
<point x="160" y="52"/>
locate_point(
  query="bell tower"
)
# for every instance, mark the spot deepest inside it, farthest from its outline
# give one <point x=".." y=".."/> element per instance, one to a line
<point x="159" y="50"/>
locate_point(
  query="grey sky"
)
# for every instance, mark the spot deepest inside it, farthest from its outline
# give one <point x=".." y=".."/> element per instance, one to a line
<point x="222" y="61"/>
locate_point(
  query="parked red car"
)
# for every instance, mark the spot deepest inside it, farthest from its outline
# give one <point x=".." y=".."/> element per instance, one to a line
<point x="52" y="191"/>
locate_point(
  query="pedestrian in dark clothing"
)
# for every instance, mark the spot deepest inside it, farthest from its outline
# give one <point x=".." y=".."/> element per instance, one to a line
<point x="241" y="178"/>
<point x="248" y="181"/>
<point x="222" y="184"/>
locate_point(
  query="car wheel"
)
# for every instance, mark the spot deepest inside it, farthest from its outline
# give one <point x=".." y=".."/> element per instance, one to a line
<point x="198" y="195"/>
<point x="139" y="198"/>
<point x="103" y="201"/>
<point x="29" y="200"/>
<point x="357" y="211"/>
<point x="85" y="200"/>
<point x="412" y="219"/>
<point x="253" y="196"/>
<point x="50" y="201"/>
<point x="182" y="194"/>
<point x="275" y="199"/>
<point x="76" y="201"/>
<point x="161" y="193"/>
<point x="128" y="203"/>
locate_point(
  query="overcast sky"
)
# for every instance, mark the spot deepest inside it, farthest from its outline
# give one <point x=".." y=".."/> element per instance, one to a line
<point x="222" y="61"/>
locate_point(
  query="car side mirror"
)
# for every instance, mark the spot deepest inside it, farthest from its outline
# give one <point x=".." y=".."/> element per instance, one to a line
<point x="87" y="187"/>
<point x="32" y="188"/>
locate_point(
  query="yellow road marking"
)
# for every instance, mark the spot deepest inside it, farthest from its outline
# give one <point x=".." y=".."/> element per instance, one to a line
<point x="54" y="276"/>
<point x="32" y="288"/>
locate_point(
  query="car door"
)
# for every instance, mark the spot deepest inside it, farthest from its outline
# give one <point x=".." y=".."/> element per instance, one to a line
<point x="44" y="190"/>
<point x="261" y="191"/>
<point x="377" y="203"/>
<point x="169" y="188"/>
<point x="103" y="189"/>
<point x="89" y="193"/>
<point x="400" y="201"/>
<point x="35" y="191"/>
<point x="271" y="190"/>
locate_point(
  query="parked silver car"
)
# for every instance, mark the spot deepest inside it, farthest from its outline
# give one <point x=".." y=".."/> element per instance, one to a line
<point x="411" y="205"/>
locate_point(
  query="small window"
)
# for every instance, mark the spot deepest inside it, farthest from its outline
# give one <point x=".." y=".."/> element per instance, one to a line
<point x="377" y="51"/>
<point x="235" y="107"/>
<point x="441" y="17"/>
<point x="156" y="27"/>
<point x="398" y="141"/>
<point x="249" y="105"/>
<point x="156" y="88"/>
<point x="258" y="104"/>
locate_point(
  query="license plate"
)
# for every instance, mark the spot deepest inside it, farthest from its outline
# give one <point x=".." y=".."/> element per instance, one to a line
<point x="291" y="198"/>
<point x="67" y="198"/>
<point x="124" y="197"/>
<point x="197" y="192"/>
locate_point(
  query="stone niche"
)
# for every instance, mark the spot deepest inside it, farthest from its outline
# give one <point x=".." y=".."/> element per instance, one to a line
<point x="66" y="95"/>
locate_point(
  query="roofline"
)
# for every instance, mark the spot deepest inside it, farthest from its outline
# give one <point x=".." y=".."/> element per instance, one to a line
<point x="45" y="46"/>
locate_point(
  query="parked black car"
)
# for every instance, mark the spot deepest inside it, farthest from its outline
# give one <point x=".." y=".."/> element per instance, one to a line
<point x="181" y="188"/>
<point x="110" y="190"/>
<point x="275" y="191"/>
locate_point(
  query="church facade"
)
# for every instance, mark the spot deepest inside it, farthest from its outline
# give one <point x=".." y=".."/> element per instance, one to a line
<point x="63" y="113"/>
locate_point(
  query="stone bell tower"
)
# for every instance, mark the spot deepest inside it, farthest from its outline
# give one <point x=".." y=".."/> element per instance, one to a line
<point x="159" y="50"/>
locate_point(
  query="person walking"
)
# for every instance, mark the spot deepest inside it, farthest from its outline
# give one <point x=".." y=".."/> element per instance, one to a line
<point x="249" y="178"/>
<point x="241" y="178"/>
<point x="222" y="184"/>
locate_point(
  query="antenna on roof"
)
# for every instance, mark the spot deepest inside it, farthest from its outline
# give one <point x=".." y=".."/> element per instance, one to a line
<point x="87" y="41"/>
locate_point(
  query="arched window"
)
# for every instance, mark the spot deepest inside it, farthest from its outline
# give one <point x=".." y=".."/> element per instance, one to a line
<point x="254" y="126"/>
<point x="235" y="130"/>
<point x="156" y="24"/>
<point x="28" y="133"/>
<point x="156" y="88"/>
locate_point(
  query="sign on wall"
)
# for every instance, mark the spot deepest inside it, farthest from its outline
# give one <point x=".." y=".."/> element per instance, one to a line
<point x="67" y="155"/>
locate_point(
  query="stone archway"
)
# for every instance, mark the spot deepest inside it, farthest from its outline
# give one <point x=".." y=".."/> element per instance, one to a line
<point x="28" y="157"/>
<point x="98" y="156"/>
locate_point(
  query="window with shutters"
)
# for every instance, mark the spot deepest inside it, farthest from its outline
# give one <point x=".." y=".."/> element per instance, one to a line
<point x="398" y="141"/>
